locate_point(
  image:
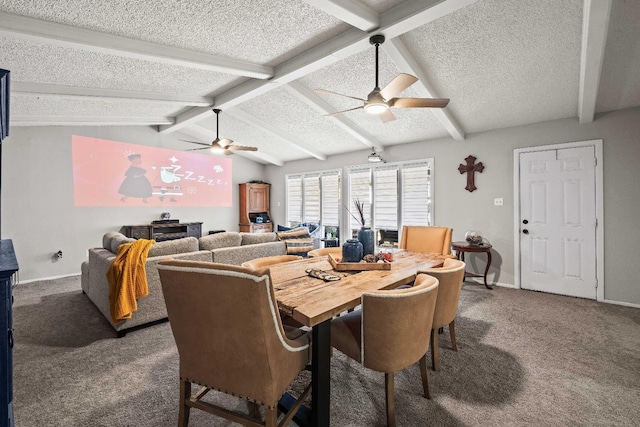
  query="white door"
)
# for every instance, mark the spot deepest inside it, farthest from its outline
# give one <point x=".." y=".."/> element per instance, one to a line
<point x="558" y="221"/>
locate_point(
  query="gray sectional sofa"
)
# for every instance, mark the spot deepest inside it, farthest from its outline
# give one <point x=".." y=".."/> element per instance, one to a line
<point x="228" y="248"/>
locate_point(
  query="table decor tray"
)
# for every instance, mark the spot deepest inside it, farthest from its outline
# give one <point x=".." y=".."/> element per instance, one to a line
<point x="357" y="266"/>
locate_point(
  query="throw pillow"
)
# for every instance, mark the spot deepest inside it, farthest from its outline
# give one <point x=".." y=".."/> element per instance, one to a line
<point x="297" y="240"/>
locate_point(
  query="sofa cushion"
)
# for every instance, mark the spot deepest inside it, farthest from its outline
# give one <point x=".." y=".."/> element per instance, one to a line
<point x="220" y="240"/>
<point x="298" y="241"/>
<point x="174" y="247"/>
<point x="255" y="238"/>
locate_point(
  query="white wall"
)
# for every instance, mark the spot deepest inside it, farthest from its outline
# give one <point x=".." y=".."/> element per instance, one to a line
<point x="457" y="208"/>
<point x="37" y="198"/>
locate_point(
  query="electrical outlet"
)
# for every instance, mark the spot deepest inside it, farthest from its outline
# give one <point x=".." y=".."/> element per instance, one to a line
<point x="498" y="201"/>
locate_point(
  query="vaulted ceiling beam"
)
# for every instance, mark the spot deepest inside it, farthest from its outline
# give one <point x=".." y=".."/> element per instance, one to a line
<point x="353" y="12"/>
<point x="307" y="96"/>
<point x="595" y="24"/>
<point x="406" y="63"/>
<point x="396" y="21"/>
<point x="33" y="120"/>
<point x="272" y="130"/>
<point x="26" y="28"/>
<point x="206" y="135"/>
<point x="76" y="92"/>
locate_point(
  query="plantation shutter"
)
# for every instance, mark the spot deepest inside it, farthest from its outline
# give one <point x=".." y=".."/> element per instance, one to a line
<point x="386" y="199"/>
<point x="311" y="199"/>
<point x="294" y="200"/>
<point x="416" y="194"/>
<point x="330" y="200"/>
<point x="359" y="188"/>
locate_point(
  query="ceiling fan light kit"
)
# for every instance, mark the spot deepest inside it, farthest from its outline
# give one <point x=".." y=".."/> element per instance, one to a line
<point x="380" y="102"/>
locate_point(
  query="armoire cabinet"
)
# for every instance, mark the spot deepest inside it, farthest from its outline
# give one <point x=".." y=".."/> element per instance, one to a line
<point x="254" y="208"/>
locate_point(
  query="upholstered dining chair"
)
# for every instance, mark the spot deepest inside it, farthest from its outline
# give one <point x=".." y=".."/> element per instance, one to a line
<point x="269" y="260"/>
<point x="426" y="239"/>
<point x="324" y="251"/>
<point x="390" y="332"/>
<point x="450" y="276"/>
<point x="225" y="323"/>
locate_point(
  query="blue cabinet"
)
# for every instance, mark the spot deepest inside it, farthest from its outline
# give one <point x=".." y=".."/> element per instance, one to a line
<point x="8" y="267"/>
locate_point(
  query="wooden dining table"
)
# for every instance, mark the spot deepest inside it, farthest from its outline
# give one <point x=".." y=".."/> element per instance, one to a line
<point x="314" y="302"/>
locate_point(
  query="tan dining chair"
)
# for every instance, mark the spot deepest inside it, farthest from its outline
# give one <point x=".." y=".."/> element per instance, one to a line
<point x="269" y="260"/>
<point x="426" y="239"/>
<point x="450" y="276"/>
<point x="390" y="332"/>
<point x="225" y="323"/>
<point x="324" y="252"/>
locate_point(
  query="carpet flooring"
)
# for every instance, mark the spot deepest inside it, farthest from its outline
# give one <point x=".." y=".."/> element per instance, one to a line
<point x="524" y="359"/>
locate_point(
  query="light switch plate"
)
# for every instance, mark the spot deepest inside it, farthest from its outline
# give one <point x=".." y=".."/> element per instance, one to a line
<point x="498" y="201"/>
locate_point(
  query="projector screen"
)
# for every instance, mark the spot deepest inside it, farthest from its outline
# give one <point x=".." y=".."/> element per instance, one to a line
<point x="111" y="173"/>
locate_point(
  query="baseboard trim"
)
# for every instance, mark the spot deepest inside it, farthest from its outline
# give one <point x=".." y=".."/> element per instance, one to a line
<point x="481" y="282"/>
<point x="625" y="304"/>
<point x="22" y="282"/>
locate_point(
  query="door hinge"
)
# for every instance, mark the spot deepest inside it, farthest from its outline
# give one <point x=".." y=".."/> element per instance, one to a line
<point x="595" y="161"/>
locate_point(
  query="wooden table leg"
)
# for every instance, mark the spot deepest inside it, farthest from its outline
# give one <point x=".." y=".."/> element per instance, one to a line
<point x="486" y="270"/>
<point x="321" y="374"/>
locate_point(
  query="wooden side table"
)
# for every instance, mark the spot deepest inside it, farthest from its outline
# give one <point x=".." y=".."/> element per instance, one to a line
<point x="462" y="247"/>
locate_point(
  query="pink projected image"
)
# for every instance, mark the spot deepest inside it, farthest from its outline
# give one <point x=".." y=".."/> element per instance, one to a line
<point x="110" y="173"/>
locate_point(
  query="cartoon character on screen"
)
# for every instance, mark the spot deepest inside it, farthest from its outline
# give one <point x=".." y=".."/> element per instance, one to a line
<point x="135" y="183"/>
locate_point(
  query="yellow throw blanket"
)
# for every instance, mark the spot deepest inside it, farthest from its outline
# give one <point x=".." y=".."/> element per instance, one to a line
<point x="127" y="278"/>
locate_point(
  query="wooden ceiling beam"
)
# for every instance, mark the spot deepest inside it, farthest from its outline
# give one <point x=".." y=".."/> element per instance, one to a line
<point x="595" y="24"/>
<point x="27" y="28"/>
<point x="76" y="92"/>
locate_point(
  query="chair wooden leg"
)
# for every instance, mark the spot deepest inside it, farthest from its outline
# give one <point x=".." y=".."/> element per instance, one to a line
<point x="391" y="410"/>
<point x="452" y="332"/>
<point x="435" y="351"/>
<point x="185" y="394"/>
<point x="425" y="380"/>
<point x="270" y="417"/>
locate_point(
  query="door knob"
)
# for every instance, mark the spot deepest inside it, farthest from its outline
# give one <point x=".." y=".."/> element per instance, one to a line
<point x="525" y="221"/>
<point x="525" y="231"/>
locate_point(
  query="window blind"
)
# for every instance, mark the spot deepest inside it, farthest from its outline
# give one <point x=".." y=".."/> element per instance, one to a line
<point x="330" y="191"/>
<point x="386" y="199"/>
<point x="311" y="200"/>
<point x="294" y="200"/>
<point x="416" y="194"/>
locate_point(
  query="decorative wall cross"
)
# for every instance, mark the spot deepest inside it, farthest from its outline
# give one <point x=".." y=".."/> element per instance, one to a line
<point x="471" y="170"/>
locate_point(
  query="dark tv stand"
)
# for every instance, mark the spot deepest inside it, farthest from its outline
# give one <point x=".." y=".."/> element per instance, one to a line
<point x="162" y="232"/>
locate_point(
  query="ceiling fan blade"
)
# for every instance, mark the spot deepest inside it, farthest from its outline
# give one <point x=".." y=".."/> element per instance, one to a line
<point x="344" y="111"/>
<point x="397" y="85"/>
<point x="387" y="116"/>
<point x="240" y="148"/>
<point x="336" y="93"/>
<point x="196" y="142"/>
<point x="196" y="149"/>
<point x="419" y="102"/>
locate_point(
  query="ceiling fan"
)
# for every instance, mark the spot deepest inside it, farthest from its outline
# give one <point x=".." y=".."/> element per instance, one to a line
<point x="381" y="101"/>
<point x="224" y="145"/>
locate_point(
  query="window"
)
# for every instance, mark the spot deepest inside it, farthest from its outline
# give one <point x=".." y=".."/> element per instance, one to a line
<point x="314" y="198"/>
<point x="394" y="194"/>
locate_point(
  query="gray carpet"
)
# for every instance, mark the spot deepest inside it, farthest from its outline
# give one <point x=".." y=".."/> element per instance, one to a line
<point x="524" y="358"/>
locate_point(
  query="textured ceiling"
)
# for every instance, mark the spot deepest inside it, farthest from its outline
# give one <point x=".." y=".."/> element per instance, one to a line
<point x="502" y="63"/>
